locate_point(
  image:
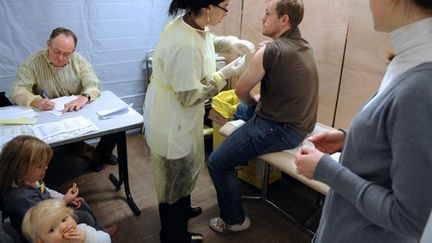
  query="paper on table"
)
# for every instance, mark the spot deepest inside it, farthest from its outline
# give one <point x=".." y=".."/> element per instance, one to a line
<point x="61" y="101"/>
<point x="9" y="132"/>
<point x="60" y="104"/>
<point x="18" y="121"/>
<point x="65" y="128"/>
<point x="13" y="112"/>
<point x="110" y="113"/>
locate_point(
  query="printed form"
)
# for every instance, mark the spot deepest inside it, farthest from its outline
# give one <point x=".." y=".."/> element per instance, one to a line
<point x="66" y="128"/>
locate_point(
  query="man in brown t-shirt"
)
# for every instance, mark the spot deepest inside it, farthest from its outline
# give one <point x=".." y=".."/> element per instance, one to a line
<point x="286" y="109"/>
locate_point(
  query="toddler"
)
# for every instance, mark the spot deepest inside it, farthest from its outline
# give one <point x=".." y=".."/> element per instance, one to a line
<point x="50" y="221"/>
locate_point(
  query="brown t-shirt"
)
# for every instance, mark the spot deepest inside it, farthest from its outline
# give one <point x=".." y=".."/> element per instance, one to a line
<point x="289" y="88"/>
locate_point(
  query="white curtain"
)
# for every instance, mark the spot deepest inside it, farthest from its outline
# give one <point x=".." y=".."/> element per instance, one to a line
<point x="114" y="35"/>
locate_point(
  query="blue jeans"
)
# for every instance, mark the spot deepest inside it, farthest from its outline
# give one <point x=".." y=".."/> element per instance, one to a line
<point x="244" y="112"/>
<point x="258" y="136"/>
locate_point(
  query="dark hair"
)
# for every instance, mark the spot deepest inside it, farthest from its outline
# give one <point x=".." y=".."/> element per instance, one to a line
<point x="293" y="8"/>
<point x="193" y="6"/>
<point x="67" y="32"/>
<point x="426" y="4"/>
<point x="19" y="157"/>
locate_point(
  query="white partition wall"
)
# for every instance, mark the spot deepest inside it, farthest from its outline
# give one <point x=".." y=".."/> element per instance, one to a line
<point x="114" y="35"/>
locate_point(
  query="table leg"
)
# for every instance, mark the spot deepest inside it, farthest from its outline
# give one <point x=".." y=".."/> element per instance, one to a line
<point x="123" y="172"/>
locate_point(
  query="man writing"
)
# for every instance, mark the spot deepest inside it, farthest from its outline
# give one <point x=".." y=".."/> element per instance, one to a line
<point x="286" y="109"/>
<point x="60" y="71"/>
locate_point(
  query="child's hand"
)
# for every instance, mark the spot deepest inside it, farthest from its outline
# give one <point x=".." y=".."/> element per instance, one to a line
<point x="77" y="202"/>
<point x="75" y="236"/>
<point x="71" y="195"/>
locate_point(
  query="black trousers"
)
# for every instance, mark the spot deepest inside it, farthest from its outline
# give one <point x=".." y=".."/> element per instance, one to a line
<point x="72" y="160"/>
<point x="174" y="221"/>
<point x="106" y="144"/>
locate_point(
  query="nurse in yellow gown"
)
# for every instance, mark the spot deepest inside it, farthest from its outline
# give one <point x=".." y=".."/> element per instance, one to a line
<point x="184" y="76"/>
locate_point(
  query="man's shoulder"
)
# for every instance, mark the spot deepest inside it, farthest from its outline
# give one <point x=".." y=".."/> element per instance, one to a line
<point x="78" y="56"/>
<point x="79" y="60"/>
<point x="277" y="48"/>
<point x="35" y="56"/>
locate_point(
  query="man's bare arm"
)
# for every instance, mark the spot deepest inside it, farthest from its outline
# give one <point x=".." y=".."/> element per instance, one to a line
<point x="252" y="75"/>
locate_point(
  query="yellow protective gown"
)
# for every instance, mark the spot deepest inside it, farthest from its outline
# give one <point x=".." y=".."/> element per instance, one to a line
<point x="184" y="76"/>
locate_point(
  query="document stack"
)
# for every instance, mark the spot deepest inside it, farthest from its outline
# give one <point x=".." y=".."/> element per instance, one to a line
<point x="64" y="129"/>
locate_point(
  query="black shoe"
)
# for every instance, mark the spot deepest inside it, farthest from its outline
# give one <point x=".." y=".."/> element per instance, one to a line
<point x="96" y="167"/>
<point x="110" y="159"/>
<point x="194" y="212"/>
<point x="196" y="237"/>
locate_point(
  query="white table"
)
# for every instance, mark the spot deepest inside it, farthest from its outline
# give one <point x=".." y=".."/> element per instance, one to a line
<point x="119" y="125"/>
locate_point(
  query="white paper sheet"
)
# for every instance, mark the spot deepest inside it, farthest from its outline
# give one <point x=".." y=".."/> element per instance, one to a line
<point x="60" y="103"/>
<point x="14" y="112"/>
<point x="116" y="111"/>
<point x="66" y="128"/>
<point x="9" y="132"/>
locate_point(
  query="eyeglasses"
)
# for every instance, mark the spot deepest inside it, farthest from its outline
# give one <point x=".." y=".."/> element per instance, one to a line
<point x="57" y="52"/>
<point x="224" y="9"/>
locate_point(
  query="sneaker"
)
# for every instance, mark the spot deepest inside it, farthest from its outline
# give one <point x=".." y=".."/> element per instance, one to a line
<point x="217" y="224"/>
<point x="196" y="237"/>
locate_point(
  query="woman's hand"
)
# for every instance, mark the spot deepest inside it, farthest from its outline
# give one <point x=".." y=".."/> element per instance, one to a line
<point x="243" y="47"/>
<point x="329" y="141"/>
<point x="306" y="161"/>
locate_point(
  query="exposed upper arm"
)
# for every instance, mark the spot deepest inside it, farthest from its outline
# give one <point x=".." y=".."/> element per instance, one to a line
<point x="252" y="75"/>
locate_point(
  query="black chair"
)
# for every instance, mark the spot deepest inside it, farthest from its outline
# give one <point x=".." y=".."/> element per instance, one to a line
<point x="7" y="233"/>
<point x="4" y="101"/>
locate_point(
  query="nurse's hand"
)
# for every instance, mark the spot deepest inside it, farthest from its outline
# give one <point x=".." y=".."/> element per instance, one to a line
<point x="306" y="161"/>
<point x="243" y="47"/>
<point x="233" y="68"/>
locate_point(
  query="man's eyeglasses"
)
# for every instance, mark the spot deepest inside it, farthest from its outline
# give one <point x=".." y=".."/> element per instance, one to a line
<point x="224" y="9"/>
<point x="57" y="52"/>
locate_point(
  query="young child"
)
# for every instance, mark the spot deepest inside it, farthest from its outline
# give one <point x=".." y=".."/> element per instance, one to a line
<point x="50" y="221"/>
<point x="23" y="162"/>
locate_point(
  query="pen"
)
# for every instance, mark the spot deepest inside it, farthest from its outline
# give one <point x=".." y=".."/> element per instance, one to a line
<point x="44" y="94"/>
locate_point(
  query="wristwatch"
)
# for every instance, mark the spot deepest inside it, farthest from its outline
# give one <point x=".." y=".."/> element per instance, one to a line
<point x="87" y="96"/>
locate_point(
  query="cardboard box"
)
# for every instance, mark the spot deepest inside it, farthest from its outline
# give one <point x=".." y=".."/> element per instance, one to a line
<point x="217" y="118"/>
<point x="253" y="173"/>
